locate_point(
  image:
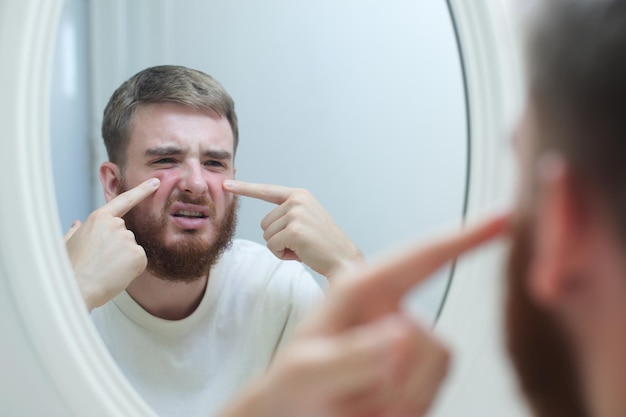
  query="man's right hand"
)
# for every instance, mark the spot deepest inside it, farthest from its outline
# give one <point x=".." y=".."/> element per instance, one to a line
<point x="359" y="354"/>
<point x="104" y="254"/>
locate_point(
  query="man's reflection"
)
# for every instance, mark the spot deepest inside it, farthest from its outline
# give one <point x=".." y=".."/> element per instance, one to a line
<point x="207" y="313"/>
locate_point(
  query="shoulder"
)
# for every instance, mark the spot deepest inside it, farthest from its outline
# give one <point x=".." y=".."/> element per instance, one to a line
<point x="243" y="247"/>
<point x="255" y="266"/>
<point x="245" y="254"/>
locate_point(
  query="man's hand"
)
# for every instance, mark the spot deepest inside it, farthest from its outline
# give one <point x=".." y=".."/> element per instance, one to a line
<point x="300" y="229"/>
<point x="359" y="354"/>
<point x="104" y="254"/>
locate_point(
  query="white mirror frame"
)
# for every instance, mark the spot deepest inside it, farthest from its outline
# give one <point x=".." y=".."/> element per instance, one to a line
<point x="49" y="345"/>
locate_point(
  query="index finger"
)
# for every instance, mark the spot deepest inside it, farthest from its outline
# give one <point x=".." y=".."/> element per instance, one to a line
<point x="122" y="204"/>
<point x="417" y="264"/>
<point x="276" y="194"/>
<point x="380" y="289"/>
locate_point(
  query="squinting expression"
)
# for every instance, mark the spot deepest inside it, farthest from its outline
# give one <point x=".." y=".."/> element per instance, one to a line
<point x="191" y="152"/>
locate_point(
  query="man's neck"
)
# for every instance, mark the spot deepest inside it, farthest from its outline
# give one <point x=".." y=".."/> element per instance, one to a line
<point x="165" y="299"/>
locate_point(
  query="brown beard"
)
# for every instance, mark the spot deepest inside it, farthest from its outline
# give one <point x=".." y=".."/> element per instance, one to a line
<point x="189" y="259"/>
<point x="536" y="343"/>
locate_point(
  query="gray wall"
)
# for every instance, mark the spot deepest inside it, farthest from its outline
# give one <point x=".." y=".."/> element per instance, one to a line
<point x="360" y="101"/>
<point x="69" y="116"/>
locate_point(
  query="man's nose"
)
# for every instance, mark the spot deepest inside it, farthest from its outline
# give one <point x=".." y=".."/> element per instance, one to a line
<point x="192" y="181"/>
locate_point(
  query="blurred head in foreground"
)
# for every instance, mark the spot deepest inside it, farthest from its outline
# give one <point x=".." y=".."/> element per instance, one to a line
<point x="566" y="306"/>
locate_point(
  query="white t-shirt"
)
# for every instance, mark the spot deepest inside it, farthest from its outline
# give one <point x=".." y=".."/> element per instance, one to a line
<point x="192" y="367"/>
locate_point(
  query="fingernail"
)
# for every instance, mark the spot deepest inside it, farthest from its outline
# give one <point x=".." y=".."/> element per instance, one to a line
<point x="229" y="184"/>
<point x="155" y="182"/>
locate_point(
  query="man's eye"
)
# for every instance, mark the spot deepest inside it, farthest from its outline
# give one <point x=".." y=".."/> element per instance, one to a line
<point x="217" y="164"/>
<point x="164" y="161"/>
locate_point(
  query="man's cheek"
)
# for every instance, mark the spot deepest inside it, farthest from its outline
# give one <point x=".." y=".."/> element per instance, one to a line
<point x="228" y="199"/>
<point x="163" y="194"/>
<point x="157" y="200"/>
<point x="150" y="207"/>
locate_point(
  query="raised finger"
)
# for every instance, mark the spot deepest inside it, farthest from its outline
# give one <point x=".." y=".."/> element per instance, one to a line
<point x="121" y="204"/>
<point x="276" y="194"/>
<point x="416" y="264"/>
<point x="379" y="290"/>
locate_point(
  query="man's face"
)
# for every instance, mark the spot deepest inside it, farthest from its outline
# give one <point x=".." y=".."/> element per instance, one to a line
<point x="539" y="349"/>
<point x="186" y="224"/>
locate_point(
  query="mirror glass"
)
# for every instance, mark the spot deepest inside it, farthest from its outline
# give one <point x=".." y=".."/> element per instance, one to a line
<point x="362" y="102"/>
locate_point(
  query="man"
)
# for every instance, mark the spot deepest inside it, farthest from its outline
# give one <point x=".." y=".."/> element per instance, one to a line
<point x="188" y="314"/>
<point x="566" y="311"/>
<point x="566" y="304"/>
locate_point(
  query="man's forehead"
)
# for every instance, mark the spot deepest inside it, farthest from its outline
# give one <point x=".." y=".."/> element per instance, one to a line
<point x="156" y="115"/>
<point x="172" y="125"/>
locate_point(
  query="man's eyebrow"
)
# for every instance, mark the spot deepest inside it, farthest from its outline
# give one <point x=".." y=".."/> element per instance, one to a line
<point x="175" y="150"/>
<point x="163" y="151"/>
<point x="217" y="154"/>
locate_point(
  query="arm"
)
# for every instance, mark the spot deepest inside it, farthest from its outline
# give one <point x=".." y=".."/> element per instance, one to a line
<point x="355" y="373"/>
<point x="300" y="229"/>
<point x="359" y="355"/>
<point x="104" y="254"/>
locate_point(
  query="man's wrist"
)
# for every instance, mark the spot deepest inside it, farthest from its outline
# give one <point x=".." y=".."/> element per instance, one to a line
<point x="345" y="264"/>
<point x="88" y="294"/>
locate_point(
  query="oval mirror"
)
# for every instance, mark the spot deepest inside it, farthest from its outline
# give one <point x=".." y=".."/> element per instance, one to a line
<point x="362" y="103"/>
<point x="327" y="94"/>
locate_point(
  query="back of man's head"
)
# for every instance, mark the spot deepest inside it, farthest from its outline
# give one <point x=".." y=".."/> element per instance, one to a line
<point x="576" y="57"/>
<point x="162" y="84"/>
<point x="566" y="290"/>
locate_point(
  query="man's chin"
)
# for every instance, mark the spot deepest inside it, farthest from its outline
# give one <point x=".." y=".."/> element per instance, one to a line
<point x="185" y="256"/>
<point x="176" y="236"/>
<point x="187" y="238"/>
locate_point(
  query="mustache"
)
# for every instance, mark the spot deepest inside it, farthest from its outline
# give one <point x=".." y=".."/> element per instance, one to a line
<point x="186" y="199"/>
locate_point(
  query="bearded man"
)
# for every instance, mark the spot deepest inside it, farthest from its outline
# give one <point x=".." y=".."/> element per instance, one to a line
<point x="566" y="311"/>
<point x="188" y="314"/>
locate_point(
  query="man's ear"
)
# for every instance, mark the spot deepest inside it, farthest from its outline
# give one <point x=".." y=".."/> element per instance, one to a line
<point x="561" y="233"/>
<point x="110" y="177"/>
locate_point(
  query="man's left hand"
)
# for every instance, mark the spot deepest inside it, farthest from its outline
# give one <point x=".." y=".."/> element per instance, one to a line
<point x="299" y="228"/>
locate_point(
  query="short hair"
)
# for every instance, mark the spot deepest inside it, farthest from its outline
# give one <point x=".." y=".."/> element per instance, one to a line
<point x="162" y="84"/>
<point x="576" y="57"/>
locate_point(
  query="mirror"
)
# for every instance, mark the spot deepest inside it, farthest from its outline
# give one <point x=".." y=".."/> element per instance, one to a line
<point x="53" y="353"/>
<point x="328" y="96"/>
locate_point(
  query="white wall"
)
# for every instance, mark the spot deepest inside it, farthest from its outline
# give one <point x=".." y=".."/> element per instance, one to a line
<point x="362" y="101"/>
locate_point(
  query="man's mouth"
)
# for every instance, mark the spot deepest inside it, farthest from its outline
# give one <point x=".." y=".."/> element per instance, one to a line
<point x="190" y="214"/>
